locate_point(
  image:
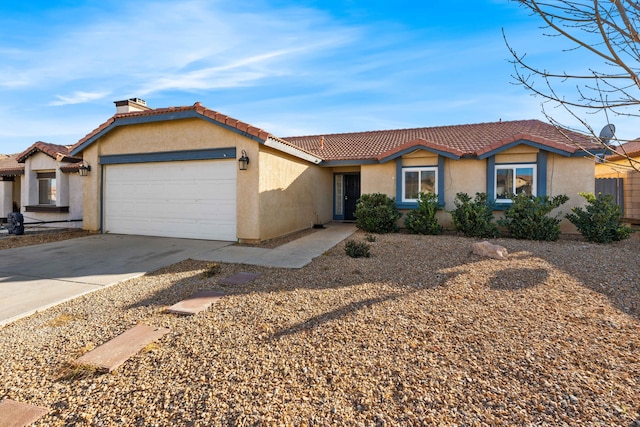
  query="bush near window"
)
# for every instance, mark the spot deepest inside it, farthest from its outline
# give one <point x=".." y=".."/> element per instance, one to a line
<point x="377" y="213"/>
<point x="422" y="220"/>
<point x="528" y="217"/>
<point x="601" y="221"/>
<point x="357" y="249"/>
<point x="474" y="218"/>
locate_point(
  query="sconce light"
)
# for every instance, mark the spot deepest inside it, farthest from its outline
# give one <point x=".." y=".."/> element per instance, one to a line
<point x="83" y="169"/>
<point x="243" y="161"/>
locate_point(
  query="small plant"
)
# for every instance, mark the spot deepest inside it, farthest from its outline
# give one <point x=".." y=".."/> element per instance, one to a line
<point x="377" y="213"/>
<point x="211" y="270"/>
<point x="357" y="249"/>
<point x="601" y="220"/>
<point x="71" y="371"/>
<point x="422" y="220"/>
<point x="370" y="237"/>
<point x="528" y="217"/>
<point x="474" y="218"/>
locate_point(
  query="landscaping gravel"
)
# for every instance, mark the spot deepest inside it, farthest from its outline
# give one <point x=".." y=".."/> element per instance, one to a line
<point x="422" y="333"/>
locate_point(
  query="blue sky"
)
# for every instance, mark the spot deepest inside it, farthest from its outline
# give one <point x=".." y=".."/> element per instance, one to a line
<point x="289" y="67"/>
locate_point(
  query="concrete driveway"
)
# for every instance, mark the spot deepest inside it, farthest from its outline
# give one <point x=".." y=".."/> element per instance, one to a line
<point x="33" y="278"/>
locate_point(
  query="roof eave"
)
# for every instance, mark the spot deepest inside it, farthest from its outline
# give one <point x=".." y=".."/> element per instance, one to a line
<point x="285" y="148"/>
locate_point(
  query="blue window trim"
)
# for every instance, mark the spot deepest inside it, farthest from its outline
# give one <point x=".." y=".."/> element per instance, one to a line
<point x="541" y="178"/>
<point x="412" y="205"/>
<point x="170" y="156"/>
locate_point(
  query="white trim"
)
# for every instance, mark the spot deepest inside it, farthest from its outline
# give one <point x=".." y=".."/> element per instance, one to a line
<point x="419" y="169"/>
<point x="274" y="143"/>
<point x="514" y="167"/>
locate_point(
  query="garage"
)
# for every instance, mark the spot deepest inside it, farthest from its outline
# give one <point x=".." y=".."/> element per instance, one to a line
<point x="186" y="199"/>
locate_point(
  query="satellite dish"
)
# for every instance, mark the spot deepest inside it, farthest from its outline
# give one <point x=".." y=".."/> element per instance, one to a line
<point x="607" y="132"/>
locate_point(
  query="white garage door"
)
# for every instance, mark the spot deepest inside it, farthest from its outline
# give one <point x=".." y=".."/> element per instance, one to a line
<point x="189" y="199"/>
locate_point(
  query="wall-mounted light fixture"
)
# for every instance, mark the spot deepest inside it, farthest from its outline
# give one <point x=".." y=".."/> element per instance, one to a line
<point x="243" y="161"/>
<point x="84" y="169"/>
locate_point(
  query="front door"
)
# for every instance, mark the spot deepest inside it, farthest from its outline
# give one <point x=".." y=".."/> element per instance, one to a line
<point x="351" y="195"/>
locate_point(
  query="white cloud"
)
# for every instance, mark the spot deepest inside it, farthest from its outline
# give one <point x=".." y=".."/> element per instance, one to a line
<point x="78" y="98"/>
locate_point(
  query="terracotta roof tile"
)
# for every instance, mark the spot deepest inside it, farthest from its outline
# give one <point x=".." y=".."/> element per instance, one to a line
<point x="198" y="107"/>
<point x="9" y="166"/>
<point x="58" y="152"/>
<point x="471" y="140"/>
<point x="631" y="148"/>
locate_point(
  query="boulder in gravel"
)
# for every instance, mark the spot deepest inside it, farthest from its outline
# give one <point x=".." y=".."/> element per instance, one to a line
<point x="490" y="250"/>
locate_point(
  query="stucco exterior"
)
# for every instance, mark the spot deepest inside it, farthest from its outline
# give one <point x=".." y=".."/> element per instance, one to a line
<point x="631" y="184"/>
<point x="68" y="193"/>
<point x="293" y="195"/>
<point x="564" y="175"/>
<point x="276" y="195"/>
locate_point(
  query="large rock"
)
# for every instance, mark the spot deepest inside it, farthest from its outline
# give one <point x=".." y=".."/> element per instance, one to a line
<point x="490" y="250"/>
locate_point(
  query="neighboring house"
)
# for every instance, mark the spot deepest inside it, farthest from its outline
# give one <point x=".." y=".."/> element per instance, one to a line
<point x="176" y="172"/>
<point x="618" y="177"/>
<point x="10" y="173"/>
<point x="43" y="183"/>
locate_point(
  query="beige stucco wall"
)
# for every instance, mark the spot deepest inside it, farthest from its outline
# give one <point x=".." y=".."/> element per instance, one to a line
<point x="6" y="198"/>
<point x="564" y="176"/>
<point x="380" y="178"/>
<point x="68" y="192"/>
<point x="276" y="195"/>
<point x="177" y="135"/>
<point x="631" y="184"/>
<point x="293" y="194"/>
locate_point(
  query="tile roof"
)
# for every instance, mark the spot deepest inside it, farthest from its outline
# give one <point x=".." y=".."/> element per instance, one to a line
<point x="60" y="153"/>
<point x="631" y="149"/>
<point x="9" y="166"/>
<point x="459" y="140"/>
<point x="197" y="107"/>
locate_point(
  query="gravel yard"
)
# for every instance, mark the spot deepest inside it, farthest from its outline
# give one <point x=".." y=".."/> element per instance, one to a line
<point x="421" y="333"/>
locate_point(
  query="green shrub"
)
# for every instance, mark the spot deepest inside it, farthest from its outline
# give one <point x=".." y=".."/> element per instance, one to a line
<point x="357" y="249"/>
<point x="601" y="221"/>
<point x="528" y="217"/>
<point x="370" y="237"/>
<point x="377" y="213"/>
<point x="422" y="220"/>
<point x="474" y="218"/>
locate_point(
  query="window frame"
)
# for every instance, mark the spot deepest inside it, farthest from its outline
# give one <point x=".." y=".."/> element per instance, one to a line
<point x="52" y="191"/>
<point x="514" y="167"/>
<point x="418" y="169"/>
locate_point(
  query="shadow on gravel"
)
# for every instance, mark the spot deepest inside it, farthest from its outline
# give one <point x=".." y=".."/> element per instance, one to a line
<point x="511" y="279"/>
<point x="338" y="313"/>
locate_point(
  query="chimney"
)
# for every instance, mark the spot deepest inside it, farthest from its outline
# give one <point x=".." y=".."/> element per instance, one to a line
<point x="130" y="105"/>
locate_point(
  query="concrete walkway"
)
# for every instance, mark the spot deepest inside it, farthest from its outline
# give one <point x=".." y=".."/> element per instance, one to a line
<point x="33" y="278"/>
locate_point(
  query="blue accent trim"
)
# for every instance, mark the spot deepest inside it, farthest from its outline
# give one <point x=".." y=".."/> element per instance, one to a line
<point x="335" y="163"/>
<point x="541" y="181"/>
<point x="154" y="118"/>
<point x="101" y="199"/>
<point x="412" y="205"/>
<point x="406" y="205"/>
<point x="441" y="180"/>
<point x="530" y="144"/>
<point x="491" y="173"/>
<point x="170" y="156"/>
<point x="416" y="148"/>
<point x="501" y="206"/>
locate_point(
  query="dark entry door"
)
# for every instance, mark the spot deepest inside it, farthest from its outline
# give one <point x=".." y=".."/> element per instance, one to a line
<point x="351" y="195"/>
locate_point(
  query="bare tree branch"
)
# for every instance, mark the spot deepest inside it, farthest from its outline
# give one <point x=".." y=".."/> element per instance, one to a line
<point x="608" y="30"/>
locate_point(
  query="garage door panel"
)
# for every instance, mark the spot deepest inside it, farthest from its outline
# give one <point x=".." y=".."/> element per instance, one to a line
<point x="194" y="199"/>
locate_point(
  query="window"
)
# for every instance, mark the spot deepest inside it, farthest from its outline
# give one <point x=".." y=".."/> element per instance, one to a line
<point x="418" y="180"/>
<point x="514" y="179"/>
<point x="46" y="188"/>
